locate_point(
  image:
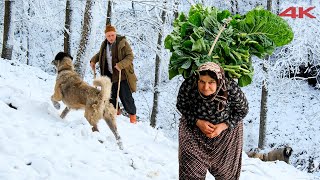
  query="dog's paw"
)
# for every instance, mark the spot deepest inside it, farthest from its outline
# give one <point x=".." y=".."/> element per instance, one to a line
<point x="120" y="145"/>
<point x="56" y="105"/>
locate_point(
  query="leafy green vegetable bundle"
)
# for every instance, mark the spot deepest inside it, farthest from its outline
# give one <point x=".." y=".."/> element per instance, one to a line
<point x="256" y="33"/>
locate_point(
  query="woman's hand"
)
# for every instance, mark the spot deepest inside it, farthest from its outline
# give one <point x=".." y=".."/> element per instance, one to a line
<point x="209" y="129"/>
<point x="205" y="126"/>
<point x="218" y="129"/>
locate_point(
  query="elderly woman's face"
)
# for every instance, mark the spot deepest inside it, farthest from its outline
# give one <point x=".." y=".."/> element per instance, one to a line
<point x="207" y="85"/>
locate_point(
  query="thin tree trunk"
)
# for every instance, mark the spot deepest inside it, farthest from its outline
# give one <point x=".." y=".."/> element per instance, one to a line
<point x="264" y="99"/>
<point x="80" y="63"/>
<point x="176" y="8"/>
<point x="269" y="5"/>
<point x="234" y="7"/>
<point x="7" y="47"/>
<point x="109" y="12"/>
<point x="154" y="113"/>
<point x="133" y="10"/>
<point x="278" y="6"/>
<point x="258" y="3"/>
<point x="28" y="35"/>
<point x="263" y="110"/>
<point x="67" y="25"/>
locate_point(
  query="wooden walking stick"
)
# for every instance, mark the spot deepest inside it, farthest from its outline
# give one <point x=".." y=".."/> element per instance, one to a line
<point x="118" y="91"/>
<point x="94" y="73"/>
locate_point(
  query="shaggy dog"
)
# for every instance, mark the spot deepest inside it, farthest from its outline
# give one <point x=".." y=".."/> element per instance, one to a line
<point x="77" y="94"/>
<point x="281" y="154"/>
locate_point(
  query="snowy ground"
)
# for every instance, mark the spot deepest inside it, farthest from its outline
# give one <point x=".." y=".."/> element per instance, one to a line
<point x="36" y="144"/>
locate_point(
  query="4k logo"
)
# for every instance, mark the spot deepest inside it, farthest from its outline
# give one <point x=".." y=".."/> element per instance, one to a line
<point x="302" y="12"/>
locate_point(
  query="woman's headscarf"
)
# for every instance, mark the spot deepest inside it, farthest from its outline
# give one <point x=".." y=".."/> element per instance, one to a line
<point x="221" y="94"/>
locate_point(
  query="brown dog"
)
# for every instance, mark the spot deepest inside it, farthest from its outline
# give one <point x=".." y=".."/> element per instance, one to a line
<point x="77" y="94"/>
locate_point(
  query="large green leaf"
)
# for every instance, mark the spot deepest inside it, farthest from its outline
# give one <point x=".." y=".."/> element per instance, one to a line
<point x="168" y="42"/>
<point x="195" y="19"/>
<point x="199" y="46"/>
<point x="172" y="73"/>
<point x="199" y="32"/>
<point x="187" y="64"/>
<point x="185" y="29"/>
<point x="263" y="22"/>
<point x="245" y="80"/>
<point x="187" y="45"/>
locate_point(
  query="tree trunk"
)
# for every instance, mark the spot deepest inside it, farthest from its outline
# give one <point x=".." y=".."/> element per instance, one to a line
<point x="234" y="7"/>
<point x="278" y="6"/>
<point x="80" y="62"/>
<point x="264" y="99"/>
<point x="154" y="113"/>
<point x="28" y="35"/>
<point x="269" y="5"/>
<point x="176" y="8"/>
<point x="67" y="25"/>
<point x="133" y="10"/>
<point x="109" y="12"/>
<point x="263" y="110"/>
<point x="7" y="47"/>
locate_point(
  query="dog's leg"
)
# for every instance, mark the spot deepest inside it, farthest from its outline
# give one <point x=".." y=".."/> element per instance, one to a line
<point x="95" y="128"/>
<point x="65" y="112"/>
<point x="57" y="96"/>
<point x="56" y="104"/>
<point x="113" y="127"/>
<point x="89" y="115"/>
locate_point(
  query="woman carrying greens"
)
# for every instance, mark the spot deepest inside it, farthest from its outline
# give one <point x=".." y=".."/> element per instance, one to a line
<point x="211" y="127"/>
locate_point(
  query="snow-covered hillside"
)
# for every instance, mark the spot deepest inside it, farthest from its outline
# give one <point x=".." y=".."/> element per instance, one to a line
<point x="36" y="144"/>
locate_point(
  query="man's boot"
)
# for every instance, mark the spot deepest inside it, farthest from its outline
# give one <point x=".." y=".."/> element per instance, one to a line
<point x="133" y="118"/>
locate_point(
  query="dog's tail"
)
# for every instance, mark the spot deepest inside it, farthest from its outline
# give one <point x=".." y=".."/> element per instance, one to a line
<point x="105" y="84"/>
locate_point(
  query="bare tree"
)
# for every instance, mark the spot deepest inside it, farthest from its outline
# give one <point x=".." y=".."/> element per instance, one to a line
<point x="176" y="8"/>
<point x="311" y="3"/>
<point x="133" y="10"/>
<point x="234" y="7"/>
<point x="263" y="110"/>
<point x="67" y="25"/>
<point x="264" y="99"/>
<point x="85" y="37"/>
<point x="278" y="6"/>
<point x="154" y="112"/>
<point x="7" y="31"/>
<point x="109" y="12"/>
<point x="27" y="29"/>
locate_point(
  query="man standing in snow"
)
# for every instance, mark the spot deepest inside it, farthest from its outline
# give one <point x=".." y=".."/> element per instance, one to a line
<point x="115" y="57"/>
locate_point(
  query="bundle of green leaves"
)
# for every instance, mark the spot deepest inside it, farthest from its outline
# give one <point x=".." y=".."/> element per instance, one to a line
<point x="257" y="33"/>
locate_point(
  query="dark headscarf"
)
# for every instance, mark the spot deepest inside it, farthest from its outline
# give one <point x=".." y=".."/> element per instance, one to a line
<point x="221" y="94"/>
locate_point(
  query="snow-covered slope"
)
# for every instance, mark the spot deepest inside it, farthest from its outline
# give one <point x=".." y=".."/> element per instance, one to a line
<point x="36" y="144"/>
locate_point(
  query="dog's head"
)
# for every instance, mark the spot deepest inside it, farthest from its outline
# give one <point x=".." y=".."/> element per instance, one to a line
<point x="63" y="61"/>
<point x="287" y="151"/>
